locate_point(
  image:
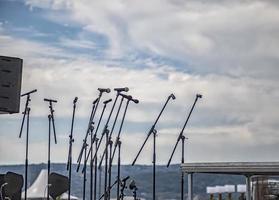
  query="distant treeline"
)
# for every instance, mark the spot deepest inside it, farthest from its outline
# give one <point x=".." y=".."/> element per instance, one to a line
<point x="168" y="179"/>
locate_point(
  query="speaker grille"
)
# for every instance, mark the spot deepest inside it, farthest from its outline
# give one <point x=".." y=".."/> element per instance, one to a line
<point x="10" y="84"/>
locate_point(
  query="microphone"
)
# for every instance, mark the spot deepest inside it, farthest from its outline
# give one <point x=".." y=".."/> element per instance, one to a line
<point x="51" y="100"/>
<point x="95" y="101"/>
<point x="27" y="93"/>
<point x="125" y="96"/>
<point x="125" y="89"/>
<point x="132" y="185"/>
<point x="125" y="179"/>
<point x="135" y="100"/>
<point x="107" y="90"/>
<point x="129" y="97"/>
<point x="107" y="101"/>
<point x="172" y="96"/>
<point x="75" y="100"/>
<point x="199" y="96"/>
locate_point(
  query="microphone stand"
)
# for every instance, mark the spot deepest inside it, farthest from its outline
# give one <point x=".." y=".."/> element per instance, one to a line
<point x="112" y="129"/>
<point x="106" y="131"/>
<point x="84" y="174"/>
<point x="27" y="110"/>
<point x="118" y="90"/>
<point x="50" y="122"/>
<point x="110" y="143"/>
<point x="71" y="140"/>
<point x="93" y="139"/>
<point x="116" y="117"/>
<point x="106" y="126"/>
<point x="133" y="187"/>
<point x="182" y="138"/>
<point x="153" y="131"/>
<point x="118" y="169"/>
<point x="135" y="193"/>
<point x="89" y="128"/>
<point x="110" y="188"/>
<point x="93" y="112"/>
<point x="118" y="143"/>
<point x="95" y="172"/>
<point x="123" y="186"/>
<point x="106" y="166"/>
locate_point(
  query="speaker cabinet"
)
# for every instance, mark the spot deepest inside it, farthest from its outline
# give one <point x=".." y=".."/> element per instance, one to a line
<point x="10" y="84"/>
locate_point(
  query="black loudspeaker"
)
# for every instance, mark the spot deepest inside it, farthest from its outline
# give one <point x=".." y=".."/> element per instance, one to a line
<point x="11" y="184"/>
<point x="2" y="182"/>
<point x="10" y="84"/>
<point x="58" y="184"/>
<point x="14" y="186"/>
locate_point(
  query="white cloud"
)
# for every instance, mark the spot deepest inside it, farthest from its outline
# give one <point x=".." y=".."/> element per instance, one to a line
<point x="77" y="43"/>
<point x="225" y="45"/>
<point x="220" y="36"/>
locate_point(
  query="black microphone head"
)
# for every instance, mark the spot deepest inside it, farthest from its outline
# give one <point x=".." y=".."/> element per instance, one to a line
<point x="75" y="100"/>
<point x="135" y="100"/>
<point x="132" y="185"/>
<point x="172" y="96"/>
<point x="125" y="96"/>
<point x="28" y="93"/>
<point x="126" y="178"/>
<point x="107" y="90"/>
<point x="199" y="96"/>
<point x="50" y="100"/>
<point x="125" y="89"/>
<point x="107" y="101"/>
<point x="95" y="101"/>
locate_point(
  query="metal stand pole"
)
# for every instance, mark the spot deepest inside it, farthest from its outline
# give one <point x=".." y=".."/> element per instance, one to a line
<point x="89" y="128"/>
<point x="154" y="163"/>
<point x="106" y="126"/>
<point x="118" y="169"/>
<point x="48" y="157"/>
<point x="84" y="174"/>
<point x="50" y="121"/>
<point x="113" y="126"/>
<point x="153" y="131"/>
<point x="106" y="166"/>
<point x="26" y="111"/>
<point x="95" y="134"/>
<point x="26" y="154"/>
<point x="129" y="98"/>
<point x="95" y="172"/>
<point x="182" y="138"/>
<point x="182" y="173"/>
<point x="100" y="181"/>
<point x="93" y="139"/>
<point x="91" y="167"/>
<point x="109" y="168"/>
<point x="71" y="140"/>
<point x="91" y="121"/>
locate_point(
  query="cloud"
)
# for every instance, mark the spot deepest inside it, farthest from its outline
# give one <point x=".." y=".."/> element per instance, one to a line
<point x="222" y="45"/>
<point x="219" y="36"/>
<point x="77" y="43"/>
<point x="247" y="106"/>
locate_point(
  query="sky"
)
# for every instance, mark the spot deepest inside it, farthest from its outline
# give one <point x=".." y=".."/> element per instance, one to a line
<point x="228" y="51"/>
